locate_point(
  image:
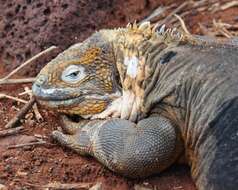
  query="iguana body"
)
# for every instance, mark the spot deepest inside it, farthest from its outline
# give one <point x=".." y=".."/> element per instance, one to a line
<point x="183" y="91"/>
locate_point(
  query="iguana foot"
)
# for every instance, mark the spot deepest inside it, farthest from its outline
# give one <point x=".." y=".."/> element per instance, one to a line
<point x="78" y="137"/>
<point x="73" y="142"/>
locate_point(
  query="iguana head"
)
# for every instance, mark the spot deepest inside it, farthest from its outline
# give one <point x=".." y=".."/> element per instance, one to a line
<point x="86" y="78"/>
<point x="82" y="80"/>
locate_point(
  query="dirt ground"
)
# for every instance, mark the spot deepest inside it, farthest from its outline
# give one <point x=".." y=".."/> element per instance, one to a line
<point x="31" y="167"/>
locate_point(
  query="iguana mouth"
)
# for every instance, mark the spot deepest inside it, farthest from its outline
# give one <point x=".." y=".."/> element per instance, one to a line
<point x="83" y="106"/>
<point x="57" y="103"/>
<point x="70" y="101"/>
<point x="64" y="94"/>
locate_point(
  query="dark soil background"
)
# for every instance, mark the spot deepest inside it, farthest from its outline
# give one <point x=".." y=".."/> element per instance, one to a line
<point x="30" y="26"/>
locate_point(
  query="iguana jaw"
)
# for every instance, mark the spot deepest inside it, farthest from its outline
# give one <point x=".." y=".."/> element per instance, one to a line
<point x="76" y="105"/>
<point x="96" y="87"/>
<point x="73" y="101"/>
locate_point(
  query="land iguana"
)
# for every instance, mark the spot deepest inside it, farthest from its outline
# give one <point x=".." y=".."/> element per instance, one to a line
<point x="149" y="95"/>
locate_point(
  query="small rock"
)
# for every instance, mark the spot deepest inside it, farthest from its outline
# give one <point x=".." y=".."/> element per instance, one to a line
<point x="20" y="173"/>
<point x="98" y="186"/>
<point x="139" y="187"/>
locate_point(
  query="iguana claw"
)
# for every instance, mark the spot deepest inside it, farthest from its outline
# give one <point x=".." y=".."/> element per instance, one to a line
<point x="125" y="107"/>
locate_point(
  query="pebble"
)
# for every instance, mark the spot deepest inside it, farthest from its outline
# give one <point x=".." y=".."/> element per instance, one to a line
<point x="139" y="187"/>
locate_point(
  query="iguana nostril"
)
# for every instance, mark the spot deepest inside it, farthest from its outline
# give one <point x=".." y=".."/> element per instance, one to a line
<point x="41" y="80"/>
<point x="36" y="87"/>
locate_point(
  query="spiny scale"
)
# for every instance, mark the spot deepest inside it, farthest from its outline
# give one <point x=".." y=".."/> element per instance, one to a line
<point x="167" y="33"/>
<point x="172" y="33"/>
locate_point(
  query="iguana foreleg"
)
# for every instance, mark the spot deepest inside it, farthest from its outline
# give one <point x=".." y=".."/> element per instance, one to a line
<point x="133" y="150"/>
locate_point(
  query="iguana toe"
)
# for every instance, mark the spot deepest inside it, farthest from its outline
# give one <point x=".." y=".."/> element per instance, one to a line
<point x="71" y="127"/>
<point x="63" y="139"/>
<point x="79" y="142"/>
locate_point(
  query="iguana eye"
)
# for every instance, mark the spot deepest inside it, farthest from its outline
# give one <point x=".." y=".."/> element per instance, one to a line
<point x="73" y="74"/>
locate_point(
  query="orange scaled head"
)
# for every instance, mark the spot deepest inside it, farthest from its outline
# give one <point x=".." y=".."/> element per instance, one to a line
<point x="82" y="80"/>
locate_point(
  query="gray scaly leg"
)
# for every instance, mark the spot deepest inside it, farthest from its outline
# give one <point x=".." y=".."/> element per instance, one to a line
<point x="133" y="150"/>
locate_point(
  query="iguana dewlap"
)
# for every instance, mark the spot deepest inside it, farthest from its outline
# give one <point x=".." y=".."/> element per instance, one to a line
<point x="182" y="90"/>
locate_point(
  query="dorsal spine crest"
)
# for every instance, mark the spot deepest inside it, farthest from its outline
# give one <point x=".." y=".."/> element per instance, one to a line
<point x="166" y="35"/>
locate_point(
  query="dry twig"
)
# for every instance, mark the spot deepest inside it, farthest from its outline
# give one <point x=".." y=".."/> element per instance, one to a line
<point x="58" y="186"/>
<point x="38" y="116"/>
<point x="156" y="13"/>
<point x="6" y="80"/>
<point x="9" y="132"/>
<point x="38" y="136"/>
<point x="25" y="92"/>
<point x="221" y="27"/>
<point x="16" y="81"/>
<point x="65" y="186"/>
<point x="12" y="98"/>
<point x="176" y="11"/>
<point x="206" y="31"/>
<point x="229" y="5"/>
<point x="12" y="123"/>
<point x="182" y="24"/>
<point x="40" y="142"/>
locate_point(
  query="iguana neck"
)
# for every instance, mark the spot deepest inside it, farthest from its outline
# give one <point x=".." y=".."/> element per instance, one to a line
<point x="139" y="54"/>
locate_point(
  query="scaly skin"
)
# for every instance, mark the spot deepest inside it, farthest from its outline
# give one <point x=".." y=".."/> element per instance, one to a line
<point x="111" y="140"/>
<point x="163" y="79"/>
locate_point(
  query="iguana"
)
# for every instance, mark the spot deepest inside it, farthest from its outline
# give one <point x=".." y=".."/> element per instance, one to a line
<point x="149" y="95"/>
